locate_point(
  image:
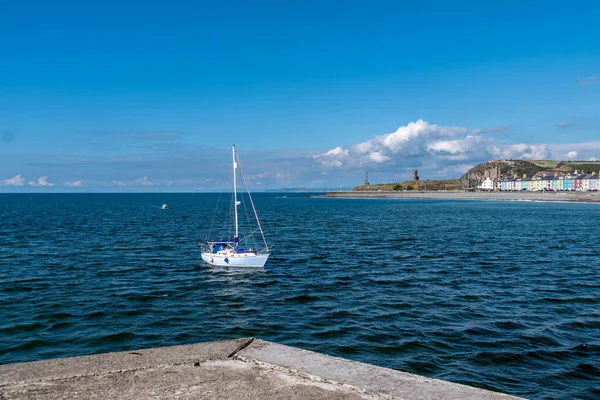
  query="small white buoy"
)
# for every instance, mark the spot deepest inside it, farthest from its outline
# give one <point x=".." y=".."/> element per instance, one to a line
<point x="164" y="207"/>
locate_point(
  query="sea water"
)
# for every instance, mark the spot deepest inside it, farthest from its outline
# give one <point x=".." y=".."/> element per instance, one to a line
<point x="499" y="295"/>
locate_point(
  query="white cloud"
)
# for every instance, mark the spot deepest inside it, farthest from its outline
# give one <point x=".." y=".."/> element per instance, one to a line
<point x="143" y="181"/>
<point x="329" y="159"/>
<point x="438" y="152"/>
<point x="520" y="151"/>
<point x="117" y="183"/>
<point x="74" y="184"/>
<point x="337" y="151"/>
<point x="16" y="180"/>
<point x="456" y="146"/>
<point x="378" y="157"/>
<point x="581" y="151"/>
<point x="421" y="143"/>
<point x="413" y="140"/>
<point x="41" y="181"/>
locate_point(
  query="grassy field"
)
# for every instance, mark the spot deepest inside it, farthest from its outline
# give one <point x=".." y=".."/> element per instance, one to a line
<point x="546" y="163"/>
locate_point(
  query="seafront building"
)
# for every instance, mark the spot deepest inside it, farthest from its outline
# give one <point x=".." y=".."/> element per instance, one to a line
<point x="548" y="182"/>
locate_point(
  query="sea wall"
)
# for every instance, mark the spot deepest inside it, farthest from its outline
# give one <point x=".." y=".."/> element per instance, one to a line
<point x="585" y="197"/>
<point x="245" y="368"/>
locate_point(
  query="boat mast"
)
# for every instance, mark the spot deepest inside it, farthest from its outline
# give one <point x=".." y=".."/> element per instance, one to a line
<point x="235" y="202"/>
<point x="252" y="203"/>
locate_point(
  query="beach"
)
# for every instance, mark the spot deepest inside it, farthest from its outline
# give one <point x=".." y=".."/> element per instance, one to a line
<point x="583" y="197"/>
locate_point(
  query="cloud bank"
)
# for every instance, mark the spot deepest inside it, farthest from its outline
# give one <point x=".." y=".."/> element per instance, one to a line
<point x="172" y="164"/>
<point x="41" y="181"/>
<point x="143" y="182"/>
<point x="423" y="144"/>
<point x="16" y="180"/>
<point x="74" y="184"/>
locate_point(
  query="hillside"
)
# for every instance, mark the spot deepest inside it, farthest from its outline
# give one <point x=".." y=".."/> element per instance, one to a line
<point x="495" y="169"/>
<point x="498" y="169"/>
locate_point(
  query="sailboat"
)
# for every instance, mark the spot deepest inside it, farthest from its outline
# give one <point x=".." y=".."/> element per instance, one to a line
<point x="235" y="251"/>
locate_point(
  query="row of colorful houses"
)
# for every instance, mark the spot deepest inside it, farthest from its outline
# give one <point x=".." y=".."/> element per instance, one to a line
<point x="571" y="182"/>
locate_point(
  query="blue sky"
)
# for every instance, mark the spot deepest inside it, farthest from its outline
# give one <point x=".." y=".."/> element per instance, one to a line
<point x="149" y="96"/>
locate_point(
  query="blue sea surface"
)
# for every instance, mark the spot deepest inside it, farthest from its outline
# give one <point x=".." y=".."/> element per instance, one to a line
<point x="499" y="295"/>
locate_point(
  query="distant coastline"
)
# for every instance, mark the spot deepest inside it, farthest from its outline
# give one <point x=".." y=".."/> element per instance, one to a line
<point x="289" y="190"/>
<point x="582" y="197"/>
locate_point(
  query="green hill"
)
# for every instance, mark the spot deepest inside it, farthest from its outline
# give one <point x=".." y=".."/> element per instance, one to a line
<point x="495" y="169"/>
<point x="500" y="169"/>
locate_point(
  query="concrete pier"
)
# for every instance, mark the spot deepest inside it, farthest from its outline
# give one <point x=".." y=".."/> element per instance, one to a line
<point x="244" y="368"/>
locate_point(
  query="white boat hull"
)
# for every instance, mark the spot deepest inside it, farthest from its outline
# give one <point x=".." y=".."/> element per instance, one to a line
<point x="232" y="252"/>
<point x="236" y="259"/>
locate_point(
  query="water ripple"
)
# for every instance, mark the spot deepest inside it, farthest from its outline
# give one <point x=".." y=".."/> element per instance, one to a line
<point x="502" y="296"/>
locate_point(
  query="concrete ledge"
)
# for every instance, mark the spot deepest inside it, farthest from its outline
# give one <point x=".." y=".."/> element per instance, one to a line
<point x="118" y="362"/>
<point x="367" y="377"/>
<point x="234" y="369"/>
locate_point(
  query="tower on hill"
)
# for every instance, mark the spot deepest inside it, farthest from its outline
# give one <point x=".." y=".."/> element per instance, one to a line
<point x="366" y="180"/>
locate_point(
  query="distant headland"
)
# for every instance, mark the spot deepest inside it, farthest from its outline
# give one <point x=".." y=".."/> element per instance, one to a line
<point x="288" y="190"/>
<point x="537" y="180"/>
<point x="493" y="170"/>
